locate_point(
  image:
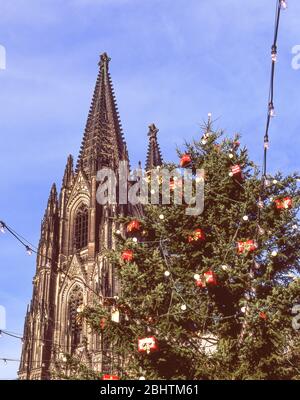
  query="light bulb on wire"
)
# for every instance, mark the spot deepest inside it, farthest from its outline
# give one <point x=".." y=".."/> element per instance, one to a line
<point x="2" y="227"/>
<point x="28" y="250"/>
<point x="283" y="4"/>
<point x="274" y="53"/>
<point x="271" y="110"/>
<point x="5" y="361"/>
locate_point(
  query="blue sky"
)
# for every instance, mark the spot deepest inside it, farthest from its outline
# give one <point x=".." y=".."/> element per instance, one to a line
<point x="173" y="61"/>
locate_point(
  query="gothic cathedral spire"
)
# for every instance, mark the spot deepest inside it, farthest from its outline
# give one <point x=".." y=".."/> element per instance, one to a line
<point x="103" y="144"/>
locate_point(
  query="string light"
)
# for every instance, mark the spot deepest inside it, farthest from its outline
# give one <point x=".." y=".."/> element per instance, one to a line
<point x="2" y="227"/>
<point x="6" y="360"/>
<point x="274" y="53"/>
<point x="28" y="250"/>
<point x="283" y="4"/>
<point x="31" y="250"/>
<point x="271" y="109"/>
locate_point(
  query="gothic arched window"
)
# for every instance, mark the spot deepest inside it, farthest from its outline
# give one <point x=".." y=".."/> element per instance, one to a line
<point x="75" y="319"/>
<point x="81" y="228"/>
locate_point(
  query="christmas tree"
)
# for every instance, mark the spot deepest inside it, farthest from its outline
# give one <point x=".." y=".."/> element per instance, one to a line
<point x="208" y="296"/>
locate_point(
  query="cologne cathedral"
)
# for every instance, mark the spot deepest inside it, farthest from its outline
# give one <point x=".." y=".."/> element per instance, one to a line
<point x="76" y="231"/>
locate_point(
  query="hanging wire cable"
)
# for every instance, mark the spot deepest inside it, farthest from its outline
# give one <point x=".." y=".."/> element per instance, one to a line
<point x="280" y="4"/>
<point x="31" y="250"/>
<point x="6" y="360"/>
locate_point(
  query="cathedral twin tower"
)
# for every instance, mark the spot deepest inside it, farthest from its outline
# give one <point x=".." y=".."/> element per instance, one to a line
<point x="71" y="268"/>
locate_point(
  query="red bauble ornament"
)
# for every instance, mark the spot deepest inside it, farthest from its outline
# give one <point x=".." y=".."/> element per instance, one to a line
<point x="102" y="323"/>
<point x="200" y="283"/>
<point x="210" y="278"/>
<point x="133" y="226"/>
<point x="185" y="160"/>
<point x="284" y="204"/>
<point x="147" y="345"/>
<point x="245" y="247"/>
<point x="263" y="315"/>
<point x="236" y="172"/>
<point x="108" y="377"/>
<point x="127" y="255"/>
<point x="196" y="236"/>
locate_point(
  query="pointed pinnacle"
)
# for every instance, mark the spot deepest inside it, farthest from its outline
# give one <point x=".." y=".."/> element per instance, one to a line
<point x="104" y="61"/>
<point x="152" y="131"/>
